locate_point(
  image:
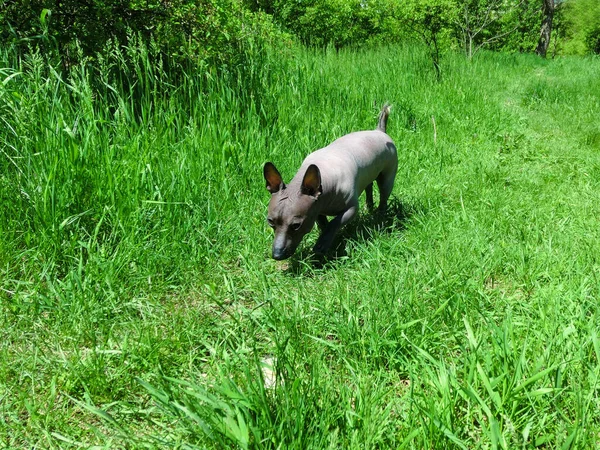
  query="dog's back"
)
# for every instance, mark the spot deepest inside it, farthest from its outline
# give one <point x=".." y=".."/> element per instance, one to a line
<point x="354" y="160"/>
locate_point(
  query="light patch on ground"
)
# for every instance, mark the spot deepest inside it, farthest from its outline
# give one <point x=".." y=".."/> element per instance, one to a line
<point x="268" y="371"/>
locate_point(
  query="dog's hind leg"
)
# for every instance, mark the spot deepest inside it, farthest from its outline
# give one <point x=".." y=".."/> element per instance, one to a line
<point x="369" y="195"/>
<point x="385" y="182"/>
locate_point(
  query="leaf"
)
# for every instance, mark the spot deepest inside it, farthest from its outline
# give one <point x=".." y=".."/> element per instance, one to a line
<point x="570" y="440"/>
<point x="470" y="335"/>
<point x="486" y="382"/>
<point x="45" y="13"/>
<point x="535" y="378"/>
<point x="410" y="437"/>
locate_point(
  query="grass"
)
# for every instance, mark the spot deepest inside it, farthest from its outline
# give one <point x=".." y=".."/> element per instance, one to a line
<point x="140" y="308"/>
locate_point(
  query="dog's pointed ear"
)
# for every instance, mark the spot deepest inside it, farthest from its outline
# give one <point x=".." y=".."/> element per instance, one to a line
<point x="273" y="178"/>
<point x="311" y="183"/>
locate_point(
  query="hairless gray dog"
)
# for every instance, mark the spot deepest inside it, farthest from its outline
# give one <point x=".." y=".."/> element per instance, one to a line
<point x="328" y="183"/>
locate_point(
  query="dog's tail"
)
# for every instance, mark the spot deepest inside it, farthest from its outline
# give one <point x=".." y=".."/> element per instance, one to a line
<point x="383" y="117"/>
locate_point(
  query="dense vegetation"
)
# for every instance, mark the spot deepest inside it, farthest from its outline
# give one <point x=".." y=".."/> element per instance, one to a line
<point x="221" y="32"/>
<point x="138" y="303"/>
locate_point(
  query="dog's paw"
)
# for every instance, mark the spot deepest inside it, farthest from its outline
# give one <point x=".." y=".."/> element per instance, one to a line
<point x="320" y="247"/>
<point x="319" y="250"/>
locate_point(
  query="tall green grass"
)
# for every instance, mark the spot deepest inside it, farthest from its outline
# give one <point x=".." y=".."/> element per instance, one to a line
<point x="140" y="308"/>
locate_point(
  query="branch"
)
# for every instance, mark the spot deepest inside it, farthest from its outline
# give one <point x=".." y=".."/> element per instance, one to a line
<point x="498" y="17"/>
<point x="495" y="38"/>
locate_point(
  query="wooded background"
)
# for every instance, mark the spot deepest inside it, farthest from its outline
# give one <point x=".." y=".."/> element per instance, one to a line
<point x="225" y="33"/>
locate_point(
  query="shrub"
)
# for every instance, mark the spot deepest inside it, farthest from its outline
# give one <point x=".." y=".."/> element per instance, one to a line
<point x="216" y="33"/>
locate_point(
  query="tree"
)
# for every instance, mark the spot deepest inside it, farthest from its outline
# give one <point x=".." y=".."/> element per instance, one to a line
<point x="430" y="20"/>
<point x="483" y="22"/>
<point x="546" y="30"/>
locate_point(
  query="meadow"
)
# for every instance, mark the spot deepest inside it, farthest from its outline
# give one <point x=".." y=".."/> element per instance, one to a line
<point x="140" y="308"/>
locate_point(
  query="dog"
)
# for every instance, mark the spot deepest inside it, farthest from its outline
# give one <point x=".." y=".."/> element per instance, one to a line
<point x="328" y="183"/>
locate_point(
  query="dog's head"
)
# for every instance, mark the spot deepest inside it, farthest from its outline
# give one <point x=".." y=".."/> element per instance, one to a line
<point x="292" y="211"/>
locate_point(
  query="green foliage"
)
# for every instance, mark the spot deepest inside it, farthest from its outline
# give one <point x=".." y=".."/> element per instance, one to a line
<point x="225" y="34"/>
<point x="327" y="22"/>
<point x="497" y="24"/>
<point x="592" y="40"/>
<point x="512" y="25"/>
<point x="208" y="33"/>
<point x="520" y="28"/>
<point x="582" y="29"/>
<point x="431" y="22"/>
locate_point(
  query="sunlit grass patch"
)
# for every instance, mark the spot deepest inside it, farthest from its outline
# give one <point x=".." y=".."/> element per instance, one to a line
<point x="140" y="306"/>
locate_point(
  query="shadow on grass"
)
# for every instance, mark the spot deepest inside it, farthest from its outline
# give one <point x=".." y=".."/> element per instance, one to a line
<point x="364" y="228"/>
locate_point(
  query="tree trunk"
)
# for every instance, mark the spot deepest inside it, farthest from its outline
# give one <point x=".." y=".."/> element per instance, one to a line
<point x="544" y="42"/>
<point x="469" y="45"/>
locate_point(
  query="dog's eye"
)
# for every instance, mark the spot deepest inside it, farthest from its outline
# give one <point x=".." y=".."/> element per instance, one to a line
<point x="271" y="223"/>
<point x="296" y="226"/>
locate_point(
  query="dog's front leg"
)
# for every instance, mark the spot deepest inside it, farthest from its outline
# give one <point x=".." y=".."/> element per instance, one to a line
<point x="326" y="238"/>
<point x="322" y="222"/>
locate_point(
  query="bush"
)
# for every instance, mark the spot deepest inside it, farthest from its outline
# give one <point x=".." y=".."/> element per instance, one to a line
<point x="582" y="23"/>
<point x="215" y="33"/>
<point x="592" y="39"/>
<point x="325" y="22"/>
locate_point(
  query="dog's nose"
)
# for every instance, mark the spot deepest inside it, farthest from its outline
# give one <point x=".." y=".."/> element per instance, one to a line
<point x="279" y="254"/>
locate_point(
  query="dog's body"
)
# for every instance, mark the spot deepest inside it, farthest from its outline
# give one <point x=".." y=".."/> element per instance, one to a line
<point x="329" y="183"/>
